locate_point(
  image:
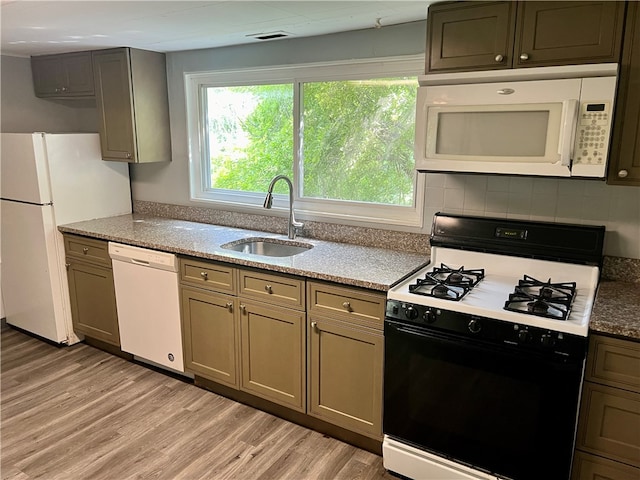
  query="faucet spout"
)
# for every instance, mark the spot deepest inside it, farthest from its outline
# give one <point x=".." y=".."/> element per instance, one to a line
<point x="294" y="227"/>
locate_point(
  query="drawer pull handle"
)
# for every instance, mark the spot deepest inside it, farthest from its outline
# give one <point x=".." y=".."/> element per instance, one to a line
<point x="204" y="275"/>
<point x="85" y="250"/>
<point x="347" y="306"/>
<point x="268" y="289"/>
<point x="230" y="307"/>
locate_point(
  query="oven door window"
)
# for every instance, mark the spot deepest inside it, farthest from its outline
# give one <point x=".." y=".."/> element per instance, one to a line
<point x="491" y="407"/>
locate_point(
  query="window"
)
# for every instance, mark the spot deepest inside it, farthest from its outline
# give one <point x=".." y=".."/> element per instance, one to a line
<point x="343" y="133"/>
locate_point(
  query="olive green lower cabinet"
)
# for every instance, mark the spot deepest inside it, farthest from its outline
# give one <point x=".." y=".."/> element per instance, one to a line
<point x="608" y="439"/>
<point x="312" y="347"/>
<point x="272" y="346"/>
<point x="345" y="357"/>
<point x="210" y="333"/>
<point x="91" y="290"/>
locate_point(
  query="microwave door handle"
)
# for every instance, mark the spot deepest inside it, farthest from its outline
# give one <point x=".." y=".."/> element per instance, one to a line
<point x="567" y="132"/>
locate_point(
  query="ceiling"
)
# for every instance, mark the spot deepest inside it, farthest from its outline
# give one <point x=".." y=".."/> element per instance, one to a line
<point x="44" y="27"/>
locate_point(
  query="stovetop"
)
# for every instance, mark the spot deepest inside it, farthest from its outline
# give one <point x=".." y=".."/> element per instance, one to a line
<point x="506" y="288"/>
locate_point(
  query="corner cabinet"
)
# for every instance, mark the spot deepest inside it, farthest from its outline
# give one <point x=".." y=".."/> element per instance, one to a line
<point x="608" y="439"/>
<point x="345" y="357"/>
<point x="132" y="103"/>
<point x="67" y="75"/>
<point x="468" y="36"/>
<point x="91" y="289"/>
<point x="624" y="160"/>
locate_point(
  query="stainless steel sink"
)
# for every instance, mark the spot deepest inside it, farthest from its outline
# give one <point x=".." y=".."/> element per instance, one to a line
<point x="268" y="247"/>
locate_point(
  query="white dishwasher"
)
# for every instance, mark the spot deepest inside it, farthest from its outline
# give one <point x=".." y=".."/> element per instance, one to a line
<point x="148" y="303"/>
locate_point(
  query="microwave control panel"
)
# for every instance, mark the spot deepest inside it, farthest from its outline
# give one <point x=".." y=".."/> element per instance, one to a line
<point x="592" y="135"/>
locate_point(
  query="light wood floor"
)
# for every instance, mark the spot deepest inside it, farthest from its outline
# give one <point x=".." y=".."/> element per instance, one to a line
<point x="80" y="413"/>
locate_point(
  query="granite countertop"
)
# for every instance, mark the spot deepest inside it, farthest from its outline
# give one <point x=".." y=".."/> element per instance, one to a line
<point x="367" y="267"/>
<point x="617" y="310"/>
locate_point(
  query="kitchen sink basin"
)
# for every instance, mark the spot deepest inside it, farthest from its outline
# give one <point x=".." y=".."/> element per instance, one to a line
<point x="268" y="247"/>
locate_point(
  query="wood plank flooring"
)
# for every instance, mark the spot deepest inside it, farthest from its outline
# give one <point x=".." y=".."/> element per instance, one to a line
<point x="80" y="413"/>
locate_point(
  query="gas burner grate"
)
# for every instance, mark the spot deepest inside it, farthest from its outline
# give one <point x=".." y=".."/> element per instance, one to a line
<point x="543" y="299"/>
<point x="447" y="283"/>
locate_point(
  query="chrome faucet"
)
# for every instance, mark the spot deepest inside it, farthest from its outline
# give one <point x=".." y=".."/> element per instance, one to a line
<point x="294" y="227"/>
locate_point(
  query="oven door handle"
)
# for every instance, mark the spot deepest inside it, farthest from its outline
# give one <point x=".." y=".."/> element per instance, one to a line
<point x="482" y="345"/>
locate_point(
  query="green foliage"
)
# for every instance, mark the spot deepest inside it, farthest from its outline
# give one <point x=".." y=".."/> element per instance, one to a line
<point x="357" y="140"/>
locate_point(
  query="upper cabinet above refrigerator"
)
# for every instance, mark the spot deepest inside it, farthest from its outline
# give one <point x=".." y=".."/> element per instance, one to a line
<point x="133" y="109"/>
<point x="479" y="35"/>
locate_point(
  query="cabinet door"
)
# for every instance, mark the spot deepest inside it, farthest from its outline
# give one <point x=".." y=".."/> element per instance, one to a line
<point x="272" y="346"/>
<point x="345" y="375"/>
<point x="47" y="75"/>
<point x="210" y="335"/>
<point x="78" y="74"/>
<point x="556" y="33"/>
<point x="469" y="36"/>
<point x="591" y="467"/>
<point x="93" y="301"/>
<point x="624" y="161"/>
<point x="610" y="423"/>
<point x="114" y="100"/>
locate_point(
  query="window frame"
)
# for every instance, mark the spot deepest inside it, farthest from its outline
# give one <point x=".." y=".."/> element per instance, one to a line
<point x="359" y="213"/>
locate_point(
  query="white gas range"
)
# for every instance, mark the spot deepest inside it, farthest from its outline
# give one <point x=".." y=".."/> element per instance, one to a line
<point x="485" y="350"/>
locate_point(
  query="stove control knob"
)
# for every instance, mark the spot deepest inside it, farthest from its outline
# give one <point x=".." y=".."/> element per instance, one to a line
<point x="411" y="313"/>
<point x="475" y="326"/>
<point x="429" y="316"/>
<point x="524" y="336"/>
<point x="547" y="340"/>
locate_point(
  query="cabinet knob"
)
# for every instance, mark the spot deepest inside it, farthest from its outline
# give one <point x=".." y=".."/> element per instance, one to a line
<point x="347" y="306"/>
<point x="623" y="173"/>
<point x="230" y="307"/>
<point x="64" y="89"/>
<point x="67" y="265"/>
<point x="128" y="155"/>
<point x="243" y="308"/>
<point x="524" y="57"/>
<point x="268" y="289"/>
<point x="85" y="250"/>
<point x="314" y="326"/>
<point x="204" y="275"/>
<point x="499" y="58"/>
<point x="57" y="90"/>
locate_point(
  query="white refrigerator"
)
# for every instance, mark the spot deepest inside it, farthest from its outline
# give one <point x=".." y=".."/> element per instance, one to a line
<point x="49" y="180"/>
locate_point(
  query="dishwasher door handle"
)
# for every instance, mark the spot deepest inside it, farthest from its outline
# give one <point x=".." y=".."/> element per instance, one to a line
<point x="140" y="262"/>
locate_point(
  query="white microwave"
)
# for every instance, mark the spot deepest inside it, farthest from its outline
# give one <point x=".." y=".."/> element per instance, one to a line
<point x="549" y="121"/>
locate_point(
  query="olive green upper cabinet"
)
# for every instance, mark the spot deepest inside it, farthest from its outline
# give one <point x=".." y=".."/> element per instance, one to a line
<point x="624" y="161"/>
<point x="131" y="97"/>
<point x="66" y="75"/>
<point x="466" y="36"/>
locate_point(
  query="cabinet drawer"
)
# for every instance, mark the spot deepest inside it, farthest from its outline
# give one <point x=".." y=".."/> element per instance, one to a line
<point x="208" y="275"/>
<point x="614" y="362"/>
<point x="87" y="249"/>
<point x="348" y="303"/>
<point x="276" y="289"/>
<point x="610" y="423"/>
<point x="590" y="467"/>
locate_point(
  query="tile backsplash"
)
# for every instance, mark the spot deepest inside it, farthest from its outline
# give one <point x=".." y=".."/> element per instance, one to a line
<point x="590" y="202"/>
